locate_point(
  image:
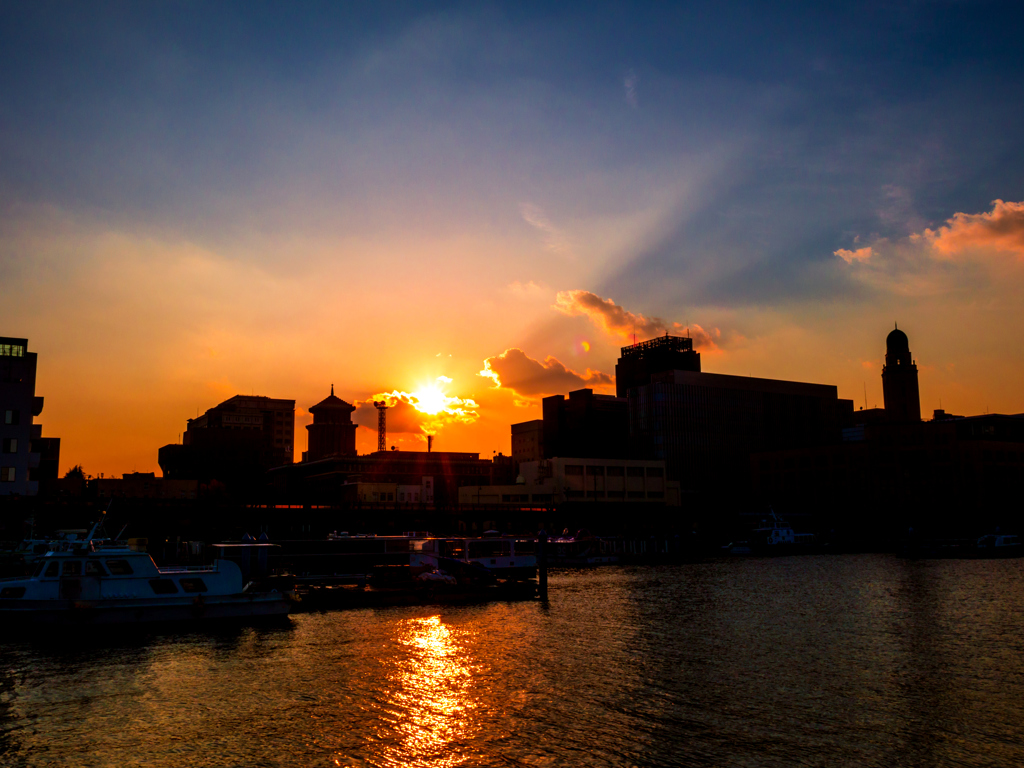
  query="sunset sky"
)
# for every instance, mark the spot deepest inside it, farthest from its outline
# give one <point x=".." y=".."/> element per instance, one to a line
<point x="201" y="200"/>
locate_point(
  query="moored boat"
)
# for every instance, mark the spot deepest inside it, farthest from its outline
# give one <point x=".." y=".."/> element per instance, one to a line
<point x="113" y="584"/>
<point x="773" y="537"/>
<point x="499" y="557"/>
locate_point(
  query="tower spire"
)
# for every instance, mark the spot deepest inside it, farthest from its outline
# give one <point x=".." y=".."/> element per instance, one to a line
<point x="332" y="389"/>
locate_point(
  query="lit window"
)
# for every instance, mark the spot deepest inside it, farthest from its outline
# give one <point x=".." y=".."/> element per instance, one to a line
<point x="11" y="417"/>
<point x="11" y="445"/>
<point x="6" y="474"/>
<point x="17" y="350"/>
<point x="5" y="350"/>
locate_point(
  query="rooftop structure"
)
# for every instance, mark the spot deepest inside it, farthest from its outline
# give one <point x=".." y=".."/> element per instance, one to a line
<point x="332" y="432"/>
<point x="638" y="362"/>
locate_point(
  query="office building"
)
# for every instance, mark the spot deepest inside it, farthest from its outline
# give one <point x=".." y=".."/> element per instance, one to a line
<point x="580" y="480"/>
<point x="585" y="425"/>
<point x="528" y="441"/>
<point x="638" y="362"/>
<point x="705" y="426"/>
<point x="235" y="440"/>
<point x="26" y="457"/>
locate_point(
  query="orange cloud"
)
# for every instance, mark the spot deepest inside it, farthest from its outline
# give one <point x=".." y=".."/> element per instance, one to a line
<point x="514" y="369"/>
<point x="422" y="412"/>
<point x="1002" y="229"/>
<point x="861" y="254"/>
<point x="619" y="321"/>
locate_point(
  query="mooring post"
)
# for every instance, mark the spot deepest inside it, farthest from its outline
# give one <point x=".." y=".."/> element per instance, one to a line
<point x="542" y="564"/>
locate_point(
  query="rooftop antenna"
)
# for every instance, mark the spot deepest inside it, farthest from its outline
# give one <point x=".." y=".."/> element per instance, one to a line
<point x="865" y="394"/>
<point x="332" y="388"/>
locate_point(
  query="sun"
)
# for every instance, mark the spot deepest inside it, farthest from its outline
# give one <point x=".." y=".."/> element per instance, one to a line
<point x="430" y="400"/>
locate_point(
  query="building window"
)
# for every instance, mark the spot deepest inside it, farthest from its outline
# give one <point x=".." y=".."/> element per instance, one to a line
<point x="6" y="474"/>
<point x="655" y="472"/>
<point x="634" y="471"/>
<point x="12" y="350"/>
<point x="573" y="469"/>
<point x="11" y="417"/>
<point x="11" y="445"/>
<point x="615" y="472"/>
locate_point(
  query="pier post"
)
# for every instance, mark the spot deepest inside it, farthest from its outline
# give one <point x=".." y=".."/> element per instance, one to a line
<point x="542" y="564"/>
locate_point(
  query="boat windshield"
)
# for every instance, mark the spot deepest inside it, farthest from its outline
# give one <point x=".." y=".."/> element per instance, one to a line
<point x="453" y="549"/>
<point x="490" y="548"/>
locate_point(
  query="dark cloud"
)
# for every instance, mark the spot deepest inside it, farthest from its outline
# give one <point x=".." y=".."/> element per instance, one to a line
<point x="401" y="417"/>
<point x="515" y="370"/>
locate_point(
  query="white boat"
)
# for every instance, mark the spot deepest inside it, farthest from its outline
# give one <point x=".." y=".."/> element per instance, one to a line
<point x="83" y="583"/>
<point x="498" y="557"/>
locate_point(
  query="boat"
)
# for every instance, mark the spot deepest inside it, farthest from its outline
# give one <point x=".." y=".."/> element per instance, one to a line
<point x="999" y="545"/>
<point x="82" y="582"/>
<point x="580" y="550"/>
<point x="486" y="557"/>
<point x="774" y="536"/>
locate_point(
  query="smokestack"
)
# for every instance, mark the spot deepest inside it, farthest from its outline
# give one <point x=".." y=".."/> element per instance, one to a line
<point x="430" y="442"/>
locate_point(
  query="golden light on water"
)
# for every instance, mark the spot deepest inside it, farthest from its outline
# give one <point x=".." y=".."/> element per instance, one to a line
<point x="432" y="693"/>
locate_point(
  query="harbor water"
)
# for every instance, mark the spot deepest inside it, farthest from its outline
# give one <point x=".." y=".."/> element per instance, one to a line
<point x="859" y="660"/>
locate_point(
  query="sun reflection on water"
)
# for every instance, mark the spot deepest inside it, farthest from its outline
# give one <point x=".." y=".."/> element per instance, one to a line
<point x="431" y="704"/>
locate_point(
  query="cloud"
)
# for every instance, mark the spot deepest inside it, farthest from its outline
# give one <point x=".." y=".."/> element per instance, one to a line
<point x="619" y="321"/>
<point x="959" y="257"/>
<point x="423" y="412"/>
<point x="1002" y="229"/>
<point x="861" y="254"/>
<point x="527" y="291"/>
<point x="514" y="369"/>
<point x="630" y="83"/>
<point x="554" y="240"/>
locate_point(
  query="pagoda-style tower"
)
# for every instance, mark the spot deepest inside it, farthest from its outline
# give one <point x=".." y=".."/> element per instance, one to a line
<point x="900" y="393"/>
<point x="332" y="432"/>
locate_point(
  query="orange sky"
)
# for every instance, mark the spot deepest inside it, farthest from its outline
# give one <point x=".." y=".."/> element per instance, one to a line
<point x="143" y="333"/>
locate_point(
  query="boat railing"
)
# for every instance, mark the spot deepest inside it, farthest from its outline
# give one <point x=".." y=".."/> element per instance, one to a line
<point x="189" y="568"/>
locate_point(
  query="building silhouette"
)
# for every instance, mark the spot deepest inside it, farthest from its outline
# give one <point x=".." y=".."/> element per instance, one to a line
<point x="893" y="472"/>
<point x="332" y="432"/>
<point x="900" y="392"/>
<point x="705" y="426"/>
<point x="585" y="425"/>
<point x="430" y="478"/>
<point x="528" y="441"/>
<point x="26" y="457"/>
<point x="236" y="440"/>
<point x="639" y="362"/>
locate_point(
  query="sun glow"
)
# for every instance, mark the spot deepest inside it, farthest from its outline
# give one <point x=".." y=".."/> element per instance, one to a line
<point x="434" y="406"/>
<point x="430" y="400"/>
